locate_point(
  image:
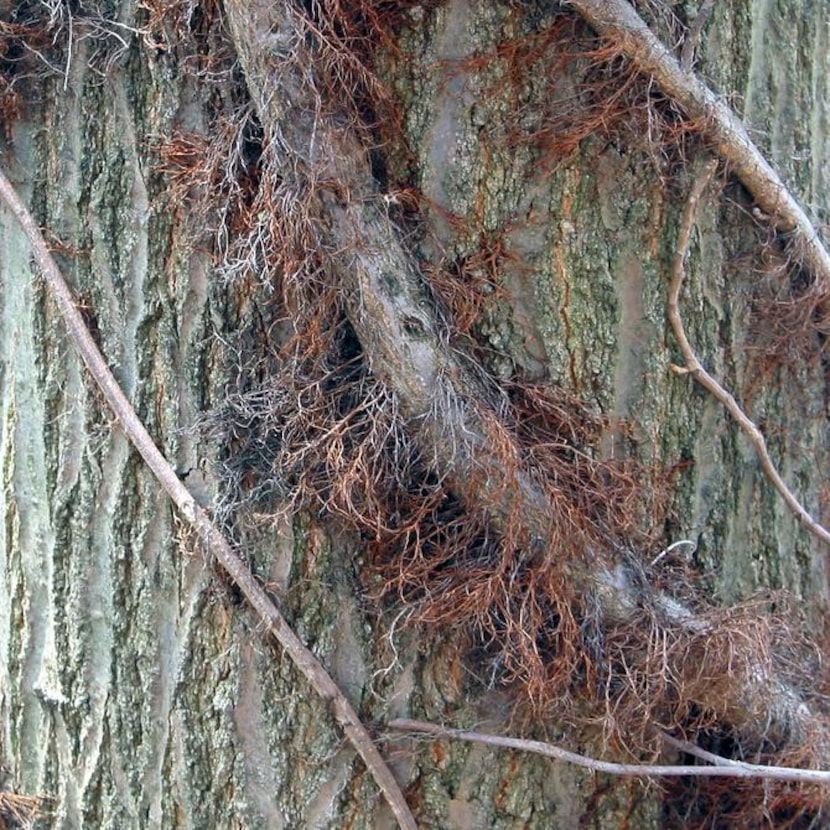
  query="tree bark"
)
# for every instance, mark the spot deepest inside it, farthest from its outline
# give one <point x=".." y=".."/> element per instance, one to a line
<point x="136" y="690"/>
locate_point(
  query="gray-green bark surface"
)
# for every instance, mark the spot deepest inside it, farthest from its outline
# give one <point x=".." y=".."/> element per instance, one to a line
<point x="135" y="690"/>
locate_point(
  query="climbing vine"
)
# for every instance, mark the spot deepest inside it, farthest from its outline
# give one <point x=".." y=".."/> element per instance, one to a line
<point x="484" y="501"/>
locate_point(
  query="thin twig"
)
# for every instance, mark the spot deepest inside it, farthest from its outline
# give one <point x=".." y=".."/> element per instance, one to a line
<point x="618" y="22"/>
<point x="696" y="370"/>
<point x="692" y="41"/>
<point x="693" y="749"/>
<point x="23" y="810"/>
<point x="213" y="539"/>
<point x="739" y="770"/>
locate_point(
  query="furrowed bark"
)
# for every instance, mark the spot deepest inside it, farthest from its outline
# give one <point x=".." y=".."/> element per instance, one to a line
<point x="196" y="517"/>
<point x="136" y="688"/>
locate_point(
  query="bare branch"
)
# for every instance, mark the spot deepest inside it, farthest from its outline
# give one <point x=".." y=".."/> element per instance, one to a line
<point x="728" y="769"/>
<point x="617" y="21"/>
<point x="214" y="540"/>
<point x="687" y="55"/>
<point x="696" y="370"/>
<point x="693" y="749"/>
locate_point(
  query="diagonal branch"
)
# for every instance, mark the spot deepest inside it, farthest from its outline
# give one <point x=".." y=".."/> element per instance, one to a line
<point x="724" y="768"/>
<point x="213" y="539"/>
<point x="693" y="749"/>
<point x="619" y="23"/>
<point x="696" y="370"/>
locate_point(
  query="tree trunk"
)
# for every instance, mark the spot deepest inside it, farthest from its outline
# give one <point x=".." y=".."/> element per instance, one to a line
<point x="160" y="146"/>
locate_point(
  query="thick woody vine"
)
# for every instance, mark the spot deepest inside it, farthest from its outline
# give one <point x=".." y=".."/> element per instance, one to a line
<point x="481" y="502"/>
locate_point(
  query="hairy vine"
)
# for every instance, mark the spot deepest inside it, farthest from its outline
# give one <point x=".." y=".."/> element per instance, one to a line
<point x="476" y="515"/>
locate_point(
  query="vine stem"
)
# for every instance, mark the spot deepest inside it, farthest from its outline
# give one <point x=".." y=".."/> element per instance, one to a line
<point x="619" y="23"/>
<point x="213" y="539"/>
<point x="694" y="367"/>
<point x="725" y="768"/>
